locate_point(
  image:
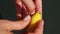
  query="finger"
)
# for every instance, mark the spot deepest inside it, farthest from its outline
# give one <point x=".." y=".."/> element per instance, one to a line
<point x="30" y="6"/>
<point x="19" y="2"/>
<point x="19" y="9"/>
<point x="39" y="29"/>
<point x="38" y="4"/>
<point x="16" y="25"/>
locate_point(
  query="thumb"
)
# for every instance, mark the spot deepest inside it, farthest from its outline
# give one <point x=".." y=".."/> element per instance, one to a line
<point x="16" y="25"/>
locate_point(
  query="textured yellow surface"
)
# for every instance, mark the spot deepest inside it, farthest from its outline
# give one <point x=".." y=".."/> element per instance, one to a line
<point x="35" y="18"/>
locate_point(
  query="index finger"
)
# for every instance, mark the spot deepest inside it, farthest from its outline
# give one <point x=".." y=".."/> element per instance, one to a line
<point x="38" y="4"/>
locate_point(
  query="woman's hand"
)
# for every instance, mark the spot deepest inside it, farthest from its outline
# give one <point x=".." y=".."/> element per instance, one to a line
<point x="6" y="26"/>
<point x="31" y="6"/>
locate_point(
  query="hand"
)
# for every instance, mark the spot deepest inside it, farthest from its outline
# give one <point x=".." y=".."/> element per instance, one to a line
<point x="31" y="6"/>
<point x="6" y="26"/>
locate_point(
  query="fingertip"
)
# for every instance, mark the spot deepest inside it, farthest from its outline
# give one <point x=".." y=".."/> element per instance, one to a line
<point x="27" y="18"/>
<point x="32" y="12"/>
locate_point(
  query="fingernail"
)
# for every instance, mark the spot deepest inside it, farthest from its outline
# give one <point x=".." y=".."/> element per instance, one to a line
<point x="32" y="12"/>
<point x="19" y="15"/>
<point x="27" y="18"/>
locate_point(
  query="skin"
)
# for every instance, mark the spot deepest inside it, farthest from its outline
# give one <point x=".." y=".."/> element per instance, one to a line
<point x="6" y="25"/>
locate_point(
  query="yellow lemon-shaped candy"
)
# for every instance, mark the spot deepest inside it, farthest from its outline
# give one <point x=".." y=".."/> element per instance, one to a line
<point x="35" y="18"/>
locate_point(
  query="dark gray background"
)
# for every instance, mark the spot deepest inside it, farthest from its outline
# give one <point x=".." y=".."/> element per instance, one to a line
<point x="51" y="14"/>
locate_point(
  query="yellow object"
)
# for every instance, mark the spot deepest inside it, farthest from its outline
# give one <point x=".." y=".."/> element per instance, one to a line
<point x="35" y="18"/>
